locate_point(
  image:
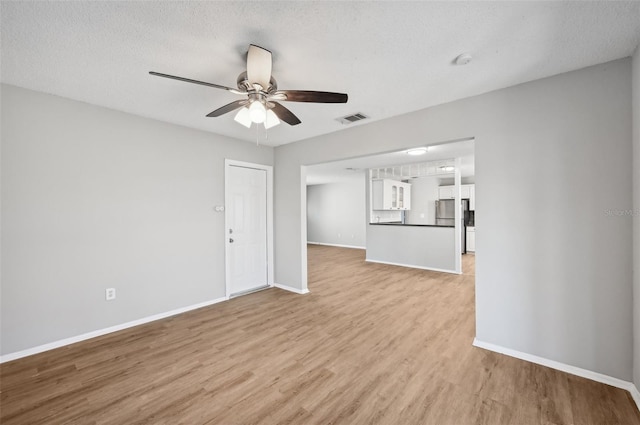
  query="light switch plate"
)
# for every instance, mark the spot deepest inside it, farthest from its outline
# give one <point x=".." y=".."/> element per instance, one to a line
<point x="110" y="294"/>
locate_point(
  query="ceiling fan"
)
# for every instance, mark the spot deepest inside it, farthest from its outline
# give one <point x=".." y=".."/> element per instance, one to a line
<point x="262" y="102"/>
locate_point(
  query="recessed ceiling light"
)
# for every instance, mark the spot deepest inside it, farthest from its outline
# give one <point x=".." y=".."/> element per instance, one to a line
<point x="417" y="151"/>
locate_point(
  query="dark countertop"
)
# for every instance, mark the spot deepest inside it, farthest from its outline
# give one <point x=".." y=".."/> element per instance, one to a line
<point x="415" y="225"/>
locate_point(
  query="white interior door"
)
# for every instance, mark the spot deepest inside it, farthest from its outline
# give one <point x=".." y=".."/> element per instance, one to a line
<point x="247" y="262"/>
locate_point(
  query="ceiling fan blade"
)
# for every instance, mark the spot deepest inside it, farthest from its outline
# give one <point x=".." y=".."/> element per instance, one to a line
<point x="228" y="108"/>
<point x="284" y="114"/>
<point x="310" y="96"/>
<point x="259" y="66"/>
<point x="188" y="80"/>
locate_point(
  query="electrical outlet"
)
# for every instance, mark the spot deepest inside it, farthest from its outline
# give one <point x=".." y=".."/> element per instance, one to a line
<point x="110" y="294"/>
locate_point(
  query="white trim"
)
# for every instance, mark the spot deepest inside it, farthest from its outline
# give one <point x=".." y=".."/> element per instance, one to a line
<point x="433" y="269"/>
<point x="304" y="271"/>
<point x="292" y="289"/>
<point x="270" y="264"/>
<point x="457" y="231"/>
<point x="100" y="332"/>
<point x="584" y="373"/>
<point x="635" y="394"/>
<point x="337" y="245"/>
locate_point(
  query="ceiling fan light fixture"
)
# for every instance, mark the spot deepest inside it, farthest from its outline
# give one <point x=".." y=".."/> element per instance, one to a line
<point x="257" y="112"/>
<point x="243" y="117"/>
<point x="271" y="120"/>
<point x="262" y="94"/>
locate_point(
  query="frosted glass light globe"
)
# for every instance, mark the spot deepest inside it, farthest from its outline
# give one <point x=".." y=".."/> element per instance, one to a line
<point x="271" y="120"/>
<point x="243" y="117"/>
<point x="257" y="112"/>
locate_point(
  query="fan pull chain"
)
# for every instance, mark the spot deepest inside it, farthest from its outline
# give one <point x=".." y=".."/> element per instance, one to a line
<point x="257" y="135"/>
<point x="266" y="134"/>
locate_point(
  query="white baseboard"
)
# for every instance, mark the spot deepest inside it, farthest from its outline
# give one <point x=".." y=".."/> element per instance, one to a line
<point x="100" y="332"/>
<point x="292" y="289"/>
<point x="337" y="245"/>
<point x="635" y="394"/>
<point x="584" y="373"/>
<point x="433" y="269"/>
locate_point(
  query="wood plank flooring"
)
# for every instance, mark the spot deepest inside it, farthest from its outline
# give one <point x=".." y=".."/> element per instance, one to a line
<point x="371" y="344"/>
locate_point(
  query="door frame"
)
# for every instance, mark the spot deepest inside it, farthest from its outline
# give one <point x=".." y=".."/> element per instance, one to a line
<point x="227" y="201"/>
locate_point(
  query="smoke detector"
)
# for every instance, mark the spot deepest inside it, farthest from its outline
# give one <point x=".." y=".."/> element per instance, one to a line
<point x="463" y="59"/>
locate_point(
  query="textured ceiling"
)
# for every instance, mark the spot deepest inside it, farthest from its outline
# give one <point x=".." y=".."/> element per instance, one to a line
<point x="390" y="57"/>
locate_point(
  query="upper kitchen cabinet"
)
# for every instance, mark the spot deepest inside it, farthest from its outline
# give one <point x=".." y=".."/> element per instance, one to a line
<point x="449" y="192"/>
<point x="467" y="191"/>
<point x="446" y="192"/>
<point x="391" y="194"/>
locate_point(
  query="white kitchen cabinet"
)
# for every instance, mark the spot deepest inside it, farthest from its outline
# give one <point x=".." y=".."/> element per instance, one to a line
<point x="385" y="192"/>
<point x="391" y="195"/>
<point x="471" y="239"/>
<point x="446" y="192"/>
<point x="467" y="191"/>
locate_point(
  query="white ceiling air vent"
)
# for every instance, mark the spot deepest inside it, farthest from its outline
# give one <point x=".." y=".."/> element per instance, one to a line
<point x="350" y="119"/>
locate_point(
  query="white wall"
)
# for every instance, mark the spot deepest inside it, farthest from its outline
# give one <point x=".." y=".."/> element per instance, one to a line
<point x="553" y="270"/>
<point x="424" y="194"/>
<point x="336" y="213"/>
<point x="93" y="198"/>
<point x="636" y="217"/>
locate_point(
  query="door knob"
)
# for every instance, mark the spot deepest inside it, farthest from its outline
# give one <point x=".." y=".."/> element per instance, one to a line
<point x="230" y="240"/>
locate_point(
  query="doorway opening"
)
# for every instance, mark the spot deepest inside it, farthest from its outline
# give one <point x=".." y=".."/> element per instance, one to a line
<point x="341" y="193"/>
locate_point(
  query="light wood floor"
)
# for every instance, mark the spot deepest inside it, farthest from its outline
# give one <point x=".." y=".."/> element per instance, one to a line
<point x="371" y="344"/>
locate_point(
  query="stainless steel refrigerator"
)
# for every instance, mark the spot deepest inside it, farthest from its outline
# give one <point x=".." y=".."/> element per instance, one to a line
<point x="446" y="216"/>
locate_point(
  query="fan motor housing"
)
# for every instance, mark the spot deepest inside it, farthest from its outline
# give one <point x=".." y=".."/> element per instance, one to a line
<point x="245" y="86"/>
